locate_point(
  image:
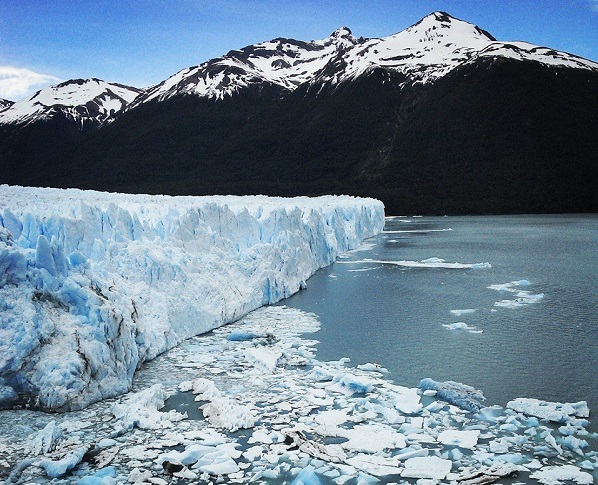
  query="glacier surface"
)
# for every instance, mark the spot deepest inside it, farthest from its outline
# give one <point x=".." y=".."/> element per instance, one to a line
<point x="94" y="284"/>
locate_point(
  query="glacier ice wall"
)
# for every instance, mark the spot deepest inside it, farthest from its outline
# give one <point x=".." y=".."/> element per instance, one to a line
<point x="93" y="284"/>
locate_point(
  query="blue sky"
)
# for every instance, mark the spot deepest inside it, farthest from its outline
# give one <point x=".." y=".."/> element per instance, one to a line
<point x="142" y="42"/>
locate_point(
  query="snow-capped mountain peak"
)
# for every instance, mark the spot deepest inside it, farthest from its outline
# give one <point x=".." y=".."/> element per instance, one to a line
<point x="282" y="62"/>
<point x="426" y="51"/>
<point x="83" y="100"/>
<point x="438" y="25"/>
<point x="433" y="47"/>
<point x="343" y="37"/>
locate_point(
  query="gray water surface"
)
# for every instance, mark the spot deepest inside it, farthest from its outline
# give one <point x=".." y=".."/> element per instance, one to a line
<point x="394" y="316"/>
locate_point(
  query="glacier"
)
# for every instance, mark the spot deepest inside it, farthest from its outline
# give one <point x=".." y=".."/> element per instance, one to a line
<point x="92" y="284"/>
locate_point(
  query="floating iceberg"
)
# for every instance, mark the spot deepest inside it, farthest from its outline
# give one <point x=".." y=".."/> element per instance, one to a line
<point x="425" y="263"/>
<point x="94" y="284"/>
<point x="522" y="297"/>
<point x="460" y="395"/>
<point x="465" y="311"/>
<point x="461" y="326"/>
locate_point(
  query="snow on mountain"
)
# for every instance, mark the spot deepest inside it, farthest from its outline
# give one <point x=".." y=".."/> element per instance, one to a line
<point x="5" y="103"/>
<point x="82" y="100"/>
<point x="93" y="284"/>
<point x="282" y="62"/>
<point x="436" y="45"/>
<point x="425" y="51"/>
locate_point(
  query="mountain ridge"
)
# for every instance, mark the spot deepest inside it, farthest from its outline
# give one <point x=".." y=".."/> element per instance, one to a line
<point x="85" y="101"/>
<point x="225" y="75"/>
<point x="372" y="117"/>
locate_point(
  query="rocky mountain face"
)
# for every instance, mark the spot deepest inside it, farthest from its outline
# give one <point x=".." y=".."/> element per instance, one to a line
<point x="439" y="118"/>
<point x="5" y="103"/>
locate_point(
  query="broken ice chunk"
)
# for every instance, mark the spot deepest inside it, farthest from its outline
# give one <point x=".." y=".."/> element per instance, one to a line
<point x="225" y="413"/>
<point x="104" y="476"/>
<point x="574" y="444"/>
<point x="241" y="336"/>
<point x="351" y="384"/>
<point x="554" y="475"/>
<point x="488" y="474"/>
<point x="264" y="358"/>
<point x="376" y="465"/>
<point x="550" y="411"/>
<point x="431" y="467"/>
<point x="307" y="476"/>
<point x="141" y="410"/>
<point x="369" y="367"/>
<point x="205" y="389"/>
<point x="462" y="439"/>
<point x="56" y="469"/>
<point x="45" y="439"/>
<point x="461" y="326"/>
<point x="460" y="395"/>
<point x="372" y="438"/>
<point x="408" y="401"/>
<point x="331" y="417"/>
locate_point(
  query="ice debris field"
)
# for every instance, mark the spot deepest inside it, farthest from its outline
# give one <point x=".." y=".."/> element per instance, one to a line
<point x="95" y="285"/>
<point x="250" y="403"/>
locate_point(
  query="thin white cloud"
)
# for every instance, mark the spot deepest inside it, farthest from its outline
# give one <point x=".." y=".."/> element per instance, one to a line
<point x="593" y="5"/>
<point x="18" y="82"/>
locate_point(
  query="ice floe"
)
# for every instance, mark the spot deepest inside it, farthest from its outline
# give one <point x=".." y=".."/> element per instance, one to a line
<point x="462" y="439"/>
<point x="556" y="475"/>
<point x="424" y="263"/>
<point x="465" y="311"/>
<point x="432" y="467"/>
<point x="521" y="297"/>
<point x="461" y="326"/>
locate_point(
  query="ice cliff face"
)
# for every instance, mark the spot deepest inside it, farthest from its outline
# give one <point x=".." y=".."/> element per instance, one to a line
<point x="94" y="284"/>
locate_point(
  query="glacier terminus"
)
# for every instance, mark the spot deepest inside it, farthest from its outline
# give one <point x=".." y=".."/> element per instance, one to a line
<point x="95" y="284"/>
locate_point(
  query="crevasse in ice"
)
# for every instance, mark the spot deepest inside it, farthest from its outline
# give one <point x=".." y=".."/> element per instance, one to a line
<point x="94" y="284"/>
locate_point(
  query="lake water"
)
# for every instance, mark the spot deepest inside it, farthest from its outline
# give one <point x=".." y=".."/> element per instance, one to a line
<point x="528" y="345"/>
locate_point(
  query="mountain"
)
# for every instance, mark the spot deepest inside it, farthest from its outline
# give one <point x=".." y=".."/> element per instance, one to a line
<point x="439" y="118"/>
<point x="35" y="130"/>
<point x="424" y="52"/>
<point x="84" y="102"/>
<point x="283" y="63"/>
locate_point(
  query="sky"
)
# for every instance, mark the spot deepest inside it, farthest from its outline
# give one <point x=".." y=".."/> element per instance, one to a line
<point x="142" y="42"/>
